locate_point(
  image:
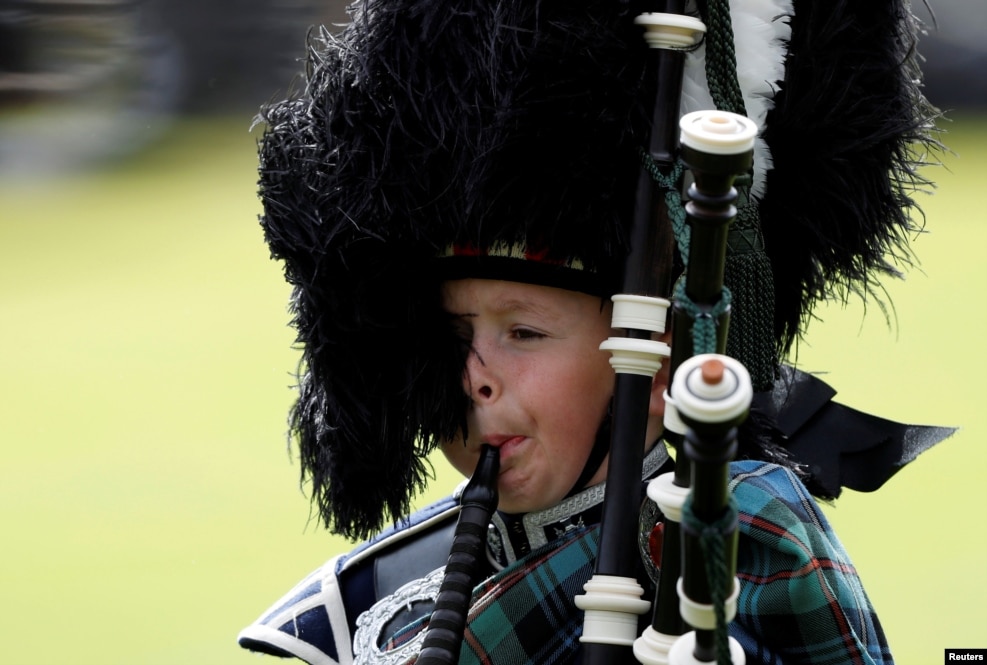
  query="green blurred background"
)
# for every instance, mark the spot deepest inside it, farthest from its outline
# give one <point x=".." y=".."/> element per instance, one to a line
<point x="149" y="505"/>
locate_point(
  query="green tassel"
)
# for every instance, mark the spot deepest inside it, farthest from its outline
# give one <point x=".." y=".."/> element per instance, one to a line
<point x="748" y="274"/>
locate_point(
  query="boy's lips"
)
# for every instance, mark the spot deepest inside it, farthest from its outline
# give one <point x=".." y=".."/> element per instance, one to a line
<point x="504" y="443"/>
<point x="500" y="440"/>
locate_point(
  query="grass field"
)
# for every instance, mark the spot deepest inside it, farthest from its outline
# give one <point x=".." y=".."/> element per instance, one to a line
<point x="148" y="502"/>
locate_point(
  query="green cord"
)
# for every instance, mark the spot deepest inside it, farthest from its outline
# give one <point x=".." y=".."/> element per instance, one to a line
<point x="704" y="323"/>
<point x="712" y="537"/>
<point x="670" y="184"/>
<point x="721" y="60"/>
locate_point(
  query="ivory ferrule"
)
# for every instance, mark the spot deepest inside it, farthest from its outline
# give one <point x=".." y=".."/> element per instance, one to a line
<point x="671" y="31"/>
<point x="718" y="132"/>
<point x="704" y="401"/>
<point x="652" y="648"/>
<point x="635" y="356"/>
<point x="672" y="420"/>
<point x="702" y="615"/>
<point x="639" y="312"/>
<point x="612" y="605"/>
<point x="668" y="496"/>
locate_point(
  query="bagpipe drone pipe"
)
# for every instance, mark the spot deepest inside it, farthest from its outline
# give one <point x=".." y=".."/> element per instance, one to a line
<point x="710" y="394"/>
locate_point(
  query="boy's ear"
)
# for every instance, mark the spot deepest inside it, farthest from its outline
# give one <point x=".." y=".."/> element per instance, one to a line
<point x="656" y="407"/>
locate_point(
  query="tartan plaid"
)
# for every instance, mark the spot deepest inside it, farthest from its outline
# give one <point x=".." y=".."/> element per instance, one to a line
<point x="525" y="613"/>
<point x="529" y="616"/>
<point x="800" y="598"/>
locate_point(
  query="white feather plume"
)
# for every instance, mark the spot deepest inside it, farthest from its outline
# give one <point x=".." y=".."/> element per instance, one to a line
<point x="761" y="32"/>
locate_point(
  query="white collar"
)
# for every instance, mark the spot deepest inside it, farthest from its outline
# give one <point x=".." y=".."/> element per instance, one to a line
<point x="511" y="537"/>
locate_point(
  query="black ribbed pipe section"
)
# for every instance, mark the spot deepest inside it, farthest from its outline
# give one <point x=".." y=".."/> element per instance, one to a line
<point x="444" y="636"/>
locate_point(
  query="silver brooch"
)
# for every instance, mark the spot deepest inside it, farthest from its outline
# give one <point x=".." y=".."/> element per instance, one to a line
<point x="371" y="623"/>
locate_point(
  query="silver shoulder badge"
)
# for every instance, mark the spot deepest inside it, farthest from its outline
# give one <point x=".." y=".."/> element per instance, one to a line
<point x="371" y="623"/>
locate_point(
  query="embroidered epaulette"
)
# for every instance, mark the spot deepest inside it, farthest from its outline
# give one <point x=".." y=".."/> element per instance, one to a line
<point x="316" y="620"/>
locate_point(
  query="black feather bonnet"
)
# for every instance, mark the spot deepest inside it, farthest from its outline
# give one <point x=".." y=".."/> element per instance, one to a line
<point x="430" y="124"/>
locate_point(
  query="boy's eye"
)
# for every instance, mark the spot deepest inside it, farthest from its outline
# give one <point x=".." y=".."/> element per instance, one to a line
<point x="526" y="333"/>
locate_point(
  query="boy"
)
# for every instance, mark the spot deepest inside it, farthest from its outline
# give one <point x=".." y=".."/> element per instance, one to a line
<point x="538" y="384"/>
<point x="451" y="197"/>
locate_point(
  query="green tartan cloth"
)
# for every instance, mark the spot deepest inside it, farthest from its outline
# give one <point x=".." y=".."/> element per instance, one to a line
<point x="525" y="613"/>
<point x="800" y="598"/>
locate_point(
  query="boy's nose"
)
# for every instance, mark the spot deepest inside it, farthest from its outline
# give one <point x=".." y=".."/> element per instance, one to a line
<point x="479" y="380"/>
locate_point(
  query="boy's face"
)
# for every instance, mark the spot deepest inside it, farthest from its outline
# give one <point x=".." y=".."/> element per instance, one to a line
<point x="539" y="384"/>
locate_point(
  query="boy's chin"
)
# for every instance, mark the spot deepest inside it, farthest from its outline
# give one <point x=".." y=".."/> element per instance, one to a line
<point x="522" y="505"/>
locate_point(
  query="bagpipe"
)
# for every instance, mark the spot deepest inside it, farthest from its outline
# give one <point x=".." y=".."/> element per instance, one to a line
<point x="709" y="396"/>
<point x="710" y="393"/>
